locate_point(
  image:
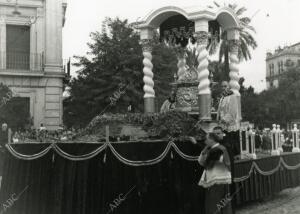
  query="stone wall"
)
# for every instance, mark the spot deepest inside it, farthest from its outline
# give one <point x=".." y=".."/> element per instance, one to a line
<point x="45" y="95"/>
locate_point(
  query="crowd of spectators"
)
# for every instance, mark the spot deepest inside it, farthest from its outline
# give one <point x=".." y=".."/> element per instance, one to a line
<point x="42" y="134"/>
<point x="263" y="141"/>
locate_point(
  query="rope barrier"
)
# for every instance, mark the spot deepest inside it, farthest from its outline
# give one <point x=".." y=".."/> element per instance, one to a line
<point x="184" y="156"/>
<point x="254" y="166"/>
<point x="79" y="157"/>
<point x="140" y="163"/>
<point x="27" y="157"/>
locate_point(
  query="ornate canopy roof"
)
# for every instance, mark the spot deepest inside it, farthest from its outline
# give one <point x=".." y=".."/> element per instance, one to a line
<point x="224" y="15"/>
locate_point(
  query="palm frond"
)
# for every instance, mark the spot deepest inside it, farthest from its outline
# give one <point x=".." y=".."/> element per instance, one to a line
<point x="213" y="46"/>
<point x="240" y="11"/>
<point x="233" y="6"/>
<point x="216" y="4"/>
<point x="244" y="50"/>
<point x="245" y="20"/>
<point x="247" y="27"/>
<point x="191" y="58"/>
<point x="250" y="28"/>
<point x="249" y="39"/>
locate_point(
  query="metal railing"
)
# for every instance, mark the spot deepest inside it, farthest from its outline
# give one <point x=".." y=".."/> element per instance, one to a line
<point x="21" y="61"/>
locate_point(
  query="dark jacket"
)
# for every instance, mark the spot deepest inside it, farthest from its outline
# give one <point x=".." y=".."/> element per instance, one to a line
<point x="3" y="138"/>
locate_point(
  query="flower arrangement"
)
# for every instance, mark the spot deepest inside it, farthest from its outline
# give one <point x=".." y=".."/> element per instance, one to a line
<point x="176" y="124"/>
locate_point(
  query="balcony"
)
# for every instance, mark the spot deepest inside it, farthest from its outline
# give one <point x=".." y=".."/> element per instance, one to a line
<point x="20" y="62"/>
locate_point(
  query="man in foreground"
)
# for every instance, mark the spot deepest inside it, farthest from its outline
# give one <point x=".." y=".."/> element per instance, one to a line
<point x="218" y="131"/>
<point x="229" y="118"/>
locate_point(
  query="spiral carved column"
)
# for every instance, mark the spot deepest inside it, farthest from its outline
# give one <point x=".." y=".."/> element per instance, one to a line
<point x="234" y="72"/>
<point x="234" y="67"/>
<point x="181" y="67"/>
<point x="149" y="96"/>
<point x="204" y="92"/>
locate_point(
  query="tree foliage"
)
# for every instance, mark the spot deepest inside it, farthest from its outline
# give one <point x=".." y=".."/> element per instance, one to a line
<point x="276" y="105"/>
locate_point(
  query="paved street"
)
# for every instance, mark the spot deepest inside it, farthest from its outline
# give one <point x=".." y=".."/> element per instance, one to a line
<point x="286" y="202"/>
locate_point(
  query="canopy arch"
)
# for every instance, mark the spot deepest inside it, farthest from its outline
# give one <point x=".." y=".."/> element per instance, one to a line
<point x="155" y="18"/>
<point x="227" y="18"/>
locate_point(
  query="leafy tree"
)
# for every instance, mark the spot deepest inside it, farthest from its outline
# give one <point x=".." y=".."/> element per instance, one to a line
<point x="114" y="65"/>
<point x="276" y="105"/>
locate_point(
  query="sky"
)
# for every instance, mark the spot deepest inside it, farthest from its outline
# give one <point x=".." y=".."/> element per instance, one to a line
<point x="276" y="23"/>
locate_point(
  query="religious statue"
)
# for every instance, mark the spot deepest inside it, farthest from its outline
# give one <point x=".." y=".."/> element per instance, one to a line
<point x="169" y="104"/>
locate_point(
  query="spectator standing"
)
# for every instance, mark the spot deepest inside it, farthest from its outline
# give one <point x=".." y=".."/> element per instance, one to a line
<point x="216" y="177"/>
<point x="229" y="118"/>
<point x="4" y="135"/>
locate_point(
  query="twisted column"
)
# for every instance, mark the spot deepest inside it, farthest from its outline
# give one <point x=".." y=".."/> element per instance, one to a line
<point x="203" y="73"/>
<point x="204" y="92"/>
<point x="234" y="72"/>
<point x="234" y="67"/>
<point x="148" y="77"/>
<point x="181" y="67"/>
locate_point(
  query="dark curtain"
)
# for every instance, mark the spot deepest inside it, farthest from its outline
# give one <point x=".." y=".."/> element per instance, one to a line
<point x="56" y="185"/>
<point x="61" y="186"/>
<point x="259" y="186"/>
<point x="30" y="180"/>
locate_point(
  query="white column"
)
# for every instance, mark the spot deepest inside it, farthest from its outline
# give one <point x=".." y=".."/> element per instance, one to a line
<point x="280" y="140"/>
<point x="243" y="141"/>
<point x="53" y="36"/>
<point x="234" y="67"/>
<point x="295" y="138"/>
<point x="181" y="68"/>
<point x="233" y="37"/>
<point x="252" y="143"/>
<point x="149" y="96"/>
<point x="204" y="92"/>
<point x="33" y="54"/>
<point x="274" y="140"/>
<point x="2" y="43"/>
<point x="40" y="37"/>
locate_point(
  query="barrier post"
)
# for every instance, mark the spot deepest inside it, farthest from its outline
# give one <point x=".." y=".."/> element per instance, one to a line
<point x="274" y="140"/>
<point x="280" y="141"/>
<point x="251" y="143"/>
<point x="295" y="137"/>
<point x="243" y="142"/>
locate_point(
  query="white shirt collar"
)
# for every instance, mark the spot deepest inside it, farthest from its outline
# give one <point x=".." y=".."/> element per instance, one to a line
<point x="214" y="146"/>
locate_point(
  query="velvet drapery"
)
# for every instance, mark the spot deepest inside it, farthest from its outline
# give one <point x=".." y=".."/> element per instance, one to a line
<point x="54" y="184"/>
<point x="61" y="186"/>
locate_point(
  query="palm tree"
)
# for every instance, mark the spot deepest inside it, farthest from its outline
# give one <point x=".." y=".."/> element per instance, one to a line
<point x="246" y="40"/>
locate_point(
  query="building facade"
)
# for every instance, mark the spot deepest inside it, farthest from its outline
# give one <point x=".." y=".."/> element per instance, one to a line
<point x="31" y="56"/>
<point x="277" y="63"/>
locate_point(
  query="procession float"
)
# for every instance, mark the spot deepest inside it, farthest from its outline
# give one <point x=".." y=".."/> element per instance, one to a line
<point x="144" y="162"/>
